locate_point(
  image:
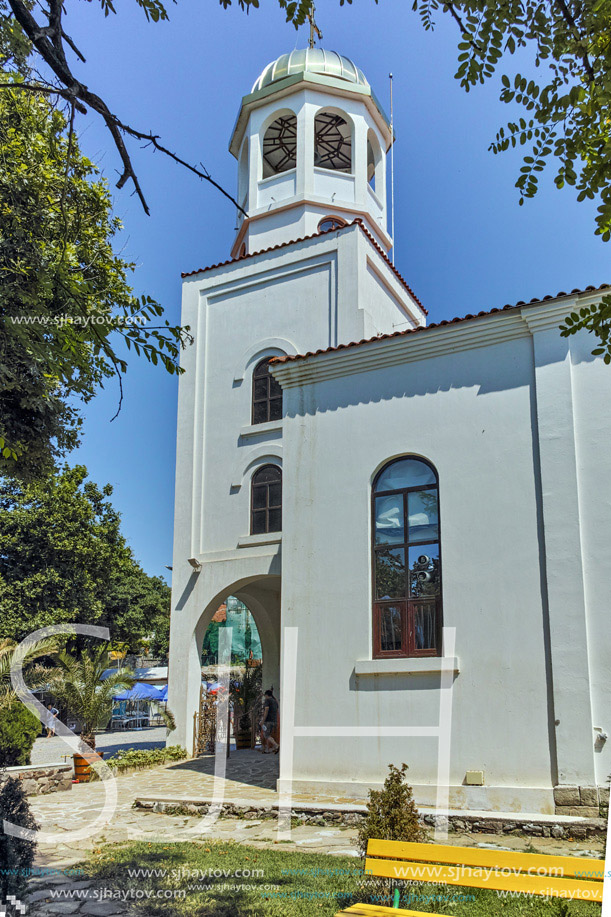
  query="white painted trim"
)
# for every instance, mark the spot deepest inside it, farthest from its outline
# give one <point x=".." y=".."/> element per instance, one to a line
<point x="252" y="458"/>
<point x="424" y="345"/>
<point x="481" y="331"/>
<point x="423" y="665"/>
<point x="282" y="346"/>
<point x="251" y="541"/>
<point x="260" y="429"/>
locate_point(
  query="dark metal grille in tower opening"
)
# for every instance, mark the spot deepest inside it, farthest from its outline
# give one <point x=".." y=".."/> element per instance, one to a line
<point x="280" y="146"/>
<point x="332" y="143"/>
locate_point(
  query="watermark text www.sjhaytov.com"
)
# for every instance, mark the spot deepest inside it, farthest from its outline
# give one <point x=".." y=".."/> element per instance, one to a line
<point x="117" y="321"/>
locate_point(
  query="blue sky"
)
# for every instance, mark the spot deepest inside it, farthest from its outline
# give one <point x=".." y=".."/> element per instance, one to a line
<point x="462" y="241"/>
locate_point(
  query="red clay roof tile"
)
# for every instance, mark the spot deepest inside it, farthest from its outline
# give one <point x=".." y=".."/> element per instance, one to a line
<point x="451" y="321"/>
<point x="273" y="248"/>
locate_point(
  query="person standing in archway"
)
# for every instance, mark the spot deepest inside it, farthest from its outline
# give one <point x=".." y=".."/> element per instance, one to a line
<point x="268" y="724"/>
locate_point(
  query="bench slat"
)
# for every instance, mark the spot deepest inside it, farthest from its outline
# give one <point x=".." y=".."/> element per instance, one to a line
<point x="469" y="856"/>
<point x="485" y="878"/>
<point x="377" y="910"/>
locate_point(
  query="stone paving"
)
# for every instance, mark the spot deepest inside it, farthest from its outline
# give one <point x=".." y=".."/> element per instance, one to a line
<point x="53" y="749"/>
<point x="250" y="777"/>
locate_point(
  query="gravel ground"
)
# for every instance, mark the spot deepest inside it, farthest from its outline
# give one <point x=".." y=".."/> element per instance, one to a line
<point x="50" y="751"/>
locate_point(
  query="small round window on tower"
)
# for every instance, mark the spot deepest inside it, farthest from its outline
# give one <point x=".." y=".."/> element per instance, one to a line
<point x="328" y="223"/>
<point x="332" y="142"/>
<point x="280" y="146"/>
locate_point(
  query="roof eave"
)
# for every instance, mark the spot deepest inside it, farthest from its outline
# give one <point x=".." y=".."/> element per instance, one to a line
<point x="288" y="84"/>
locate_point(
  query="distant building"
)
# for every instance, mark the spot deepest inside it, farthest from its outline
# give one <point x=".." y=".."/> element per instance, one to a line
<point x="245" y="642"/>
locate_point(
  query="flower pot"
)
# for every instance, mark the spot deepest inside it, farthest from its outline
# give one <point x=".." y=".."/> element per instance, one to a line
<point x="243" y="739"/>
<point x="82" y="766"/>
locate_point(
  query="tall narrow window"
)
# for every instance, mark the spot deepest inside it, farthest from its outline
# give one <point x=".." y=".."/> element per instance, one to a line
<point x="406" y="560"/>
<point x="266" y="500"/>
<point x="266" y="394"/>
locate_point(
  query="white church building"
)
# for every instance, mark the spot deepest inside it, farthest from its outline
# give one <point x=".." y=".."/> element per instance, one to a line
<point x="369" y="483"/>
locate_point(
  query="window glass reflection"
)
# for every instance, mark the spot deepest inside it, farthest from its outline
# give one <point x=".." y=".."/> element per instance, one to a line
<point x="389" y="520"/>
<point x="423" y="518"/>
<point x="405" y="473"/>
<point x="390" y="629"/>
<point x="390" y="573"/>
<point x="424" y="570"/>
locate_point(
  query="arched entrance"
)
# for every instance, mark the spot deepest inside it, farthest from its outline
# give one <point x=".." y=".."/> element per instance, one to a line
<point x="251" y="671"/>
<point x="232" y="626"/>
<point x="260" y="595"/>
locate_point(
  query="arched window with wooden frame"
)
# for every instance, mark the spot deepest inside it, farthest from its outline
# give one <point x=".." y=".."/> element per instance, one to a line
<point x="407" y="611"/>
<point x="266" y="394"/>
<point x="266" y="500"/>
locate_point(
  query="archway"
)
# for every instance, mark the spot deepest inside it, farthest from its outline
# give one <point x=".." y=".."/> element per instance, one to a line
<point x="252" y="610"/>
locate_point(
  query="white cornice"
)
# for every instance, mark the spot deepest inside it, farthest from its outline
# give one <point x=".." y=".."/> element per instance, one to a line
<point x="481" y="331"/>
<point x="419" y="345"/>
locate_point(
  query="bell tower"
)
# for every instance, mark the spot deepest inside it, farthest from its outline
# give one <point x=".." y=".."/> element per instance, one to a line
<point x="311" y="141"/>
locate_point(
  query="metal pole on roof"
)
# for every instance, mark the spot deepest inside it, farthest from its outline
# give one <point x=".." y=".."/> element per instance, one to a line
<point x="392" y="171"/>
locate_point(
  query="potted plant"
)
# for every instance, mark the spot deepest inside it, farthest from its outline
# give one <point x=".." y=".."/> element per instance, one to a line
<point x="246" y="695"/>
<point x="82" y="686"/>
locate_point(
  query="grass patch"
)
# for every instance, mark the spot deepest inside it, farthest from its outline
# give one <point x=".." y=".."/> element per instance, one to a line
<point x="252" y="882"/>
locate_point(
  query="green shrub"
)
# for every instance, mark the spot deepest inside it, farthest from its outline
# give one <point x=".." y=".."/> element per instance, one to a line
<point x="16" y="853"/>
<point x="18" y="731"/>
<point x="391" y="812"/>
<point x="127" y="758"/>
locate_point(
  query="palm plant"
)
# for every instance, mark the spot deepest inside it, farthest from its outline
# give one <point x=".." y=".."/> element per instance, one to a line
<point x="35" y="673"/>
<point x="79" y="683"/>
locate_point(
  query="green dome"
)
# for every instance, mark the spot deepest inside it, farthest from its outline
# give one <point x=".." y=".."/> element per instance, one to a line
<point x="311" y="60"/>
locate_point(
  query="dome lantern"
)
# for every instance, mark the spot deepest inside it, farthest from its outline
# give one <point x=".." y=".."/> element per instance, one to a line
<point x="311" y="141"/>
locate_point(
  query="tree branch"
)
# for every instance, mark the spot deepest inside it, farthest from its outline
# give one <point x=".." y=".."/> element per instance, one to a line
<point x="450" y="7"/>
<point x="48" y="41"/>
<point x="47" y="90"/>
<point x="569" y="19"/>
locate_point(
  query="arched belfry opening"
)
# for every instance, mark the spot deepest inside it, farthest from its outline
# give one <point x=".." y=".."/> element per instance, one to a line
<point x="280" y="145"/>
<point x="375" y="167"/>
<point x="332" y="142"/>
<point x="318" y="139"/>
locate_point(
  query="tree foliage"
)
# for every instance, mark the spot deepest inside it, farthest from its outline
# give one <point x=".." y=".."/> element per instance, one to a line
<point x="18" y="731"/>
<point x="65" y="299"/>
<point x="63" y="559"/>
<point x="563" y="117"/>
<point x="16" y="853"/>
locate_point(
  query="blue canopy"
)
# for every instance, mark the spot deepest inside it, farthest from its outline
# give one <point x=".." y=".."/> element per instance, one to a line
<point x="141" y="691"/>
<point x="164" y="693"/>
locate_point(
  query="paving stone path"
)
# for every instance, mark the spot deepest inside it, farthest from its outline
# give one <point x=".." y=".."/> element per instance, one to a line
<point x="52" y="750"/>
<point x="250" y="777"/>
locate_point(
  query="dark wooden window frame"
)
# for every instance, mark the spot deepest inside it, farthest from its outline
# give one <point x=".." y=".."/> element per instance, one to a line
<point x="407" y="604"/>
<point x="272" y="394"/>
<point x="338" y="223"/>
<point x="264" y="511"/>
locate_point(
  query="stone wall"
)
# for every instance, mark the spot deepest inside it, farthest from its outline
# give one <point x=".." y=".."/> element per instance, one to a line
<point x="580" y="801"/>
<point x="353" y="815"/>
<point x="39" y="779"/>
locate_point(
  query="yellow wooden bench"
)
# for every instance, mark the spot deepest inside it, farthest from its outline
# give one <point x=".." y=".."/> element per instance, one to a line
<point x="500" y="870"/>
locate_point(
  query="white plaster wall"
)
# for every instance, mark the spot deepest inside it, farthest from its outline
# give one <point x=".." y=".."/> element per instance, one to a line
<point x="324" y="191"/>
<point x="299" y="298"/>
<point x="592" y="396"/>
<point x="471" y="414"/>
